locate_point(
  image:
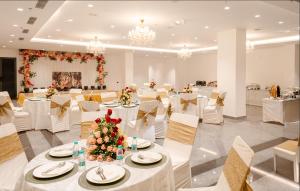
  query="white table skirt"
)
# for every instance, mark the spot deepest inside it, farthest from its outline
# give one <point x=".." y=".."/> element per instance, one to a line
<point x="281" y="110"/>
<point x="39" y="113"/>
<point x="160" y="178"/>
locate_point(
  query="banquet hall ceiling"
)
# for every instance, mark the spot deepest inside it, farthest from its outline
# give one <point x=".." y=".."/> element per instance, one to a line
<point x="176" y="23"/>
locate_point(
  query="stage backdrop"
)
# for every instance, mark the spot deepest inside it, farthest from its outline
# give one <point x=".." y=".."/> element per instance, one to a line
<point x="66" y="79"/>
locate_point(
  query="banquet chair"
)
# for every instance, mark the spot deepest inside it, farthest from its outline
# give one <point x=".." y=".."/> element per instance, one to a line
<point x="288" y="150"/>
<point x="59" y="113"/>
<point x="189" y="104"/>
<point x="12" y="158"/>
<point x="21" y="119"/>
<point x="235" y="170"/>
<point x="108" y="96"/>
<point x="14" y="108"/>
<point x="167" y="86"/>
<point x="143" y="126"/>
<point x="179" y="141"/>
<point x="74" y="109"/>
<point x="214" y="113"/>
<point x="89" y="112"/>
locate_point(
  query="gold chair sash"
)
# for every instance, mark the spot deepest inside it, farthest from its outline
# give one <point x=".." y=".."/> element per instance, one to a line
<point x="4" y="108"/>
<point x="181" y="133"/>
<point x="236" y="172"/>
<point x="185" y="103"/>
<point x="22" y="97"/>
<point x="10" y="147"/>
<point x="81" y="107"/>
<point x="85" y="128"/>
<point x="61" y="108"/>
<point x="144" y="115"/>
<point x="214" y="95"/>
<point x="169" y="110"/>
<point x="220" y="101"/>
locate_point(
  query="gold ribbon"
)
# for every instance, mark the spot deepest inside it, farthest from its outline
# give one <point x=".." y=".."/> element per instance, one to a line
<point x="61" y="108"/>
<point x="289" y="145"/>
<point x="85" y="129"/>
<point x="10" y="147"/>
<point x="4" y="108"/>
<point x="169" y="110"/>
<point x="144" y="115"/>
<point x="220" y="101"/>
<point x="181" y="133"/>
<point x="185" y="103"/>
<point x="22" y="97"/>
<point x="214" y="95"/>
<point x="236" y="172"/>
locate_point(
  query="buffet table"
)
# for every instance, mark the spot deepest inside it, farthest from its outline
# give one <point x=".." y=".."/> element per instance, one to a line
<point x="255" y="97"/>
<point x="153" y="177"/>
<point x="281" y="110"/>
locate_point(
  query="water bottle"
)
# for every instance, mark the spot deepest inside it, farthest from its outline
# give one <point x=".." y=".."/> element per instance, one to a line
<point x="120" y="155"/>
<point x="134" y="144"/>
<point x="75" y="150"/>
<point x="81" y="160"/>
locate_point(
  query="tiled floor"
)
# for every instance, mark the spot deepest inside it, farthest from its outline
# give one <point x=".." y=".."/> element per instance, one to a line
<point x="210" y="150"/>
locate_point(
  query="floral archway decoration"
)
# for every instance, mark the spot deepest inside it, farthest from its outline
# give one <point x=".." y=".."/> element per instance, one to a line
<point x="29" y="56"/>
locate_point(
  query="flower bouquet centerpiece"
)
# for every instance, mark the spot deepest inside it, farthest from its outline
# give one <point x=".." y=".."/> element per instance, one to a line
<point x="105" y="138"/>
<point x="152" y="85"/>
<point x="51" y="91"/>
<point x="126" y="97"/>
<point x="187" y="89"/>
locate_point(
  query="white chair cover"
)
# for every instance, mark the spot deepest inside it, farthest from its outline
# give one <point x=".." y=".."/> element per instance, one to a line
<point x="12" y="168"/>
<point x="180" y="152"/>
<point x="90" y="111"/>
<point x="39" y="92"/>
<point x="235" y="170"/>
<point x="138" y="127"/>
<point x="167" y="86"/>
<point x="5" y="93"/>
<point x="60" y="121"/>
<point x="213" y="113"/>
<point x="20" y="119"/>
<point x="192" y="105"/>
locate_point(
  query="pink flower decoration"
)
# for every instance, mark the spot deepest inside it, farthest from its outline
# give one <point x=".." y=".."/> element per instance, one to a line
<point x="97" y="134"/>
<point x="103" y="147"/>
<point x="104" y="130"/>
<point x="92" y="157"/>
<point x="99" y="140"/>
<point x="109" y="148"/>
<point x="115" y="149"/>
<point x="92" y="141"/>
<point x="106" y="139"/>
<point x="100" y="158"/>
<point x="108" y="159"/>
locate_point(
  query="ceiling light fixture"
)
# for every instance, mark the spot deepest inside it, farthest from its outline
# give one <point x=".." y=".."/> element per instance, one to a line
<point x="95" y="46"/>
<point x="15" y="25"/>
<point x="141" y="34"/>
<point x="257" y="16"/>
<point x="20" y="9"/>
<point x="206" y="27"/>
<point x="226" y="8"/>
<point x="12" y="35"/>
<point x="184" y="53"/>
<point x="280" y="22"/>
<point x="90" y="5"/>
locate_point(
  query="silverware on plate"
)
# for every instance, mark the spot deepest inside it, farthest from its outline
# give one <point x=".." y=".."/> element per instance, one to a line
<point x="99" y="171"/>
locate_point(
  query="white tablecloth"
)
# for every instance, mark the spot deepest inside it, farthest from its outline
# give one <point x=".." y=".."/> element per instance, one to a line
<point x="39" y="113"/>
<point x="281" y="110"/>
<point x="159" y="178"/>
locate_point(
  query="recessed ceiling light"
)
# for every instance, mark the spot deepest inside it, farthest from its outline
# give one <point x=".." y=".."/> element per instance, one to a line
<point x="257" y="16"/>
<point x="280" y="22"/>
<point x="177" y="22"/>
<point x="57" y="30"/>
<point x="10" y="41"/>
<point x="172" y="34"/>
<point x="12" y="35"/>
<point x="206" y="27"/>
<point x="68" y="20"/>
<point x="15" y="25"/>
<point x="3" y="46"/>
<point x="90" y="5"/>
<point x="196" y="38"/>
<point x="226" y="8"/>
<point x="20" y="9"/>
<point x="112" y="26"/>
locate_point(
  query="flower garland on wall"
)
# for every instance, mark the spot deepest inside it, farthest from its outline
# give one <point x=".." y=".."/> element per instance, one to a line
<point x="29" y="56"/>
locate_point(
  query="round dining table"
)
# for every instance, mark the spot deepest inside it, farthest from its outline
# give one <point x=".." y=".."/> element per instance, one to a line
<point x="39" y="110"/>
<point x="155" y="177"/>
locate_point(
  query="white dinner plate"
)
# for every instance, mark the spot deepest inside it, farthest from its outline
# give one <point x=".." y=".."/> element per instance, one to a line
<point x="39" y="172"/>
<point x="109" y="103"/>
<point x="146" y="157"/>
<point x="34" y="99"/>
<point x="141" y="143"/>
<point x="61" y="152"/>
<point x="130" y="105"/>
<point x="112" y="173"/>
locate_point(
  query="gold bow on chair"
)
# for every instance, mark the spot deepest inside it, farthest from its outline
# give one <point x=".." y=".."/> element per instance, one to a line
<point x="169" y="110"/>
<point x="62" y="108"/>
<point x="3" y="108"/>
<point x="220" y="101"/>
<point x="185" y="103"/>
<point x="143" y="115"/>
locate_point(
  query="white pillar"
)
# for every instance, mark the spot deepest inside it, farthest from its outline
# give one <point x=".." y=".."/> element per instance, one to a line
<point x="231" y="70"/>
<point x="128" y="68"/>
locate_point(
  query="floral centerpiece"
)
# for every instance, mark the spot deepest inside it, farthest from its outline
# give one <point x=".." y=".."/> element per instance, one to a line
<point x="152" y="85"/>
<point x="126" y="96"/>
<point x="105" y="139"/>
<point x="51" y="91"/>
<point x="187" y="89"/>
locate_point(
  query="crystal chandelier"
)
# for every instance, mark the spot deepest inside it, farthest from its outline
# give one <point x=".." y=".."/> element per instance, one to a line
<point x="184" y="53"/>
<point x="141" y="34"/>
<point x="95" y="46"/>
